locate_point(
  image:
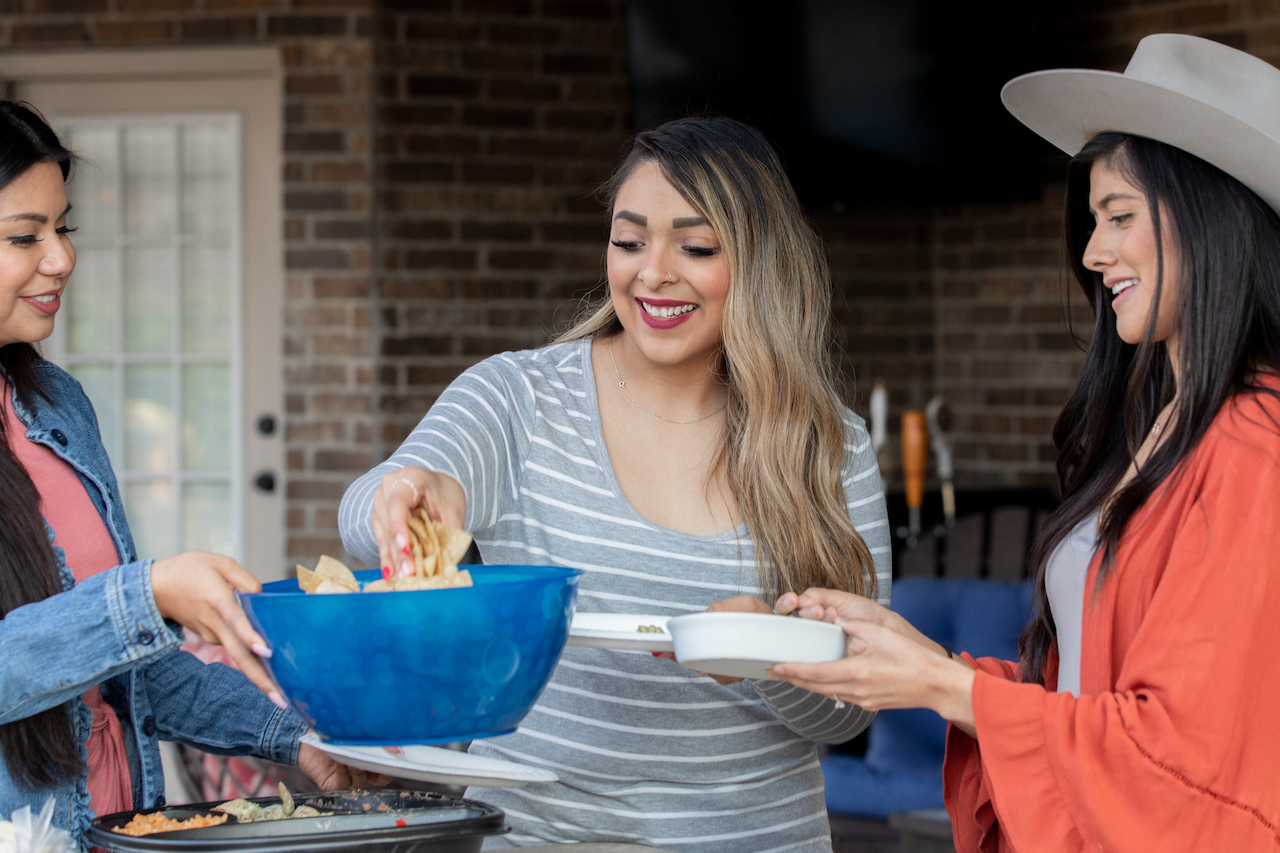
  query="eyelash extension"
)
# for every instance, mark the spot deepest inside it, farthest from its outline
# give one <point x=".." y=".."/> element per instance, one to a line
<point x="625" y="245"/>
<point x="701" y="251"/>
<point x="31" y="239"/>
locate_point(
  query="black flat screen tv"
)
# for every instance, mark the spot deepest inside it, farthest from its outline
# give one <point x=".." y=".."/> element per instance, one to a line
<point x="868" y="101"/>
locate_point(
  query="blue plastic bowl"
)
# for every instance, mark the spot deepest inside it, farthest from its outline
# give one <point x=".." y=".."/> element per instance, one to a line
<point x="430" y="666"/>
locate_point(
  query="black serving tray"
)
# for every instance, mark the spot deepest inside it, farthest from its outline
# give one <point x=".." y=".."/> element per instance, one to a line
<point x="363" y="822"/>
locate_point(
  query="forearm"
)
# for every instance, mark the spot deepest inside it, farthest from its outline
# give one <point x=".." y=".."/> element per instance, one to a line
<point x="811" y="715"/>
<point x="56" y="649"/>
<point x="217" y="709"/>
<point x="954" y="696"/>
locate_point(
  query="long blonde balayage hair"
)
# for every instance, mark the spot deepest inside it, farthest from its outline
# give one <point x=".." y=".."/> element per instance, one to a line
<point x="783" y="448"/>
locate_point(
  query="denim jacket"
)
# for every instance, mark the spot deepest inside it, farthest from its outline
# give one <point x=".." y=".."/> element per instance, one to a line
<point x="107" y="631"/>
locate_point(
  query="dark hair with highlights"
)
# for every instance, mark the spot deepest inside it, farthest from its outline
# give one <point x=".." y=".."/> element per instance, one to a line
<point x="39" y="750"/>
<point x="1227" y="256"/>
<point x="783" y="446"/>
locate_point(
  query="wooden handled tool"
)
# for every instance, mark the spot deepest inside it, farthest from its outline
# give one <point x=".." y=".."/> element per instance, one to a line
<point x="915" y="450"/>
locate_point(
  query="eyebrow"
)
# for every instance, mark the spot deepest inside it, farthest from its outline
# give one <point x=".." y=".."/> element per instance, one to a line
<point x="688" y="222"/>
<point x="33" y="217"/>
<point x="632" y="217"/>
<point x="1110" y="197"/>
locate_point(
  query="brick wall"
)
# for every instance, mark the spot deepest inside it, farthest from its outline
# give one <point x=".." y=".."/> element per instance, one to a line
<point x="440" y="156"/>
<point x="497" y="120"/>
<point x="1001" y="351"/>
<point x="882" y="307"/>
<point x="327" y="49"/>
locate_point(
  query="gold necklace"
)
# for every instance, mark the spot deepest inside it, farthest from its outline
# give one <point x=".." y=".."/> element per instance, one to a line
<point x="634" y="402"/>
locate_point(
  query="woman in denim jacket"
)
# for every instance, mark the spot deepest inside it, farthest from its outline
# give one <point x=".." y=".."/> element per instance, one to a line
<point x="91" y="676"/>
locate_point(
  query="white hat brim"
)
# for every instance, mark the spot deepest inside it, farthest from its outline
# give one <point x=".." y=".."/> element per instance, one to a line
<point x="1067" y="106"/>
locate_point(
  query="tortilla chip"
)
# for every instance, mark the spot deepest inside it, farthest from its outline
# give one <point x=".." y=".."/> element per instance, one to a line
<point x="328" y="587"/>
<point x="378" y="586"/>
<point x="307" y="580"/>
<point x="453" y="542"/>
<point x="415" y="582"/>
<point x="332" y="570"/>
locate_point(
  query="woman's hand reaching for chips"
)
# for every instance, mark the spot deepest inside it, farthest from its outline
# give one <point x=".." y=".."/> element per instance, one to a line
<point x="197" y="590"/>
<point x="399" y="494"/>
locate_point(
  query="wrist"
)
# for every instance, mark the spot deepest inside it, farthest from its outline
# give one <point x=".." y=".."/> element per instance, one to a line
<point x="952" y="691"/>
<point x="160" y="577"/>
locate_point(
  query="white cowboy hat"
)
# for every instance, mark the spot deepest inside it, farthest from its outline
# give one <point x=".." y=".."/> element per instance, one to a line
<point x="1213" y="101"/>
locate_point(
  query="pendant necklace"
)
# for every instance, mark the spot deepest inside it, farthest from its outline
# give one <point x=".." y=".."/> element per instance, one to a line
<point x="634" y="402"/>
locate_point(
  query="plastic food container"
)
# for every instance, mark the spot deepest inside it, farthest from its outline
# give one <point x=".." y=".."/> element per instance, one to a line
<point x="429" y="666"/>
<point x="746" y="645"/>
<point x="363" y="822"/>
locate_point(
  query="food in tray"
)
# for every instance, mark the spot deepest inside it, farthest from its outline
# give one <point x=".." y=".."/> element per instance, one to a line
<point x="147" y="824"/>
<point x="650" y="629"/>
<point x="437" y="548"/>
<point x="247" y="812"/>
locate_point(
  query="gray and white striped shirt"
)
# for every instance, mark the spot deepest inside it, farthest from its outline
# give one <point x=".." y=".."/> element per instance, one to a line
<point x="646" y="751"/>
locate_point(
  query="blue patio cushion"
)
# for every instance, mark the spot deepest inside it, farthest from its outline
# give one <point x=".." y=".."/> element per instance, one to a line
<point x="903" y="766"/>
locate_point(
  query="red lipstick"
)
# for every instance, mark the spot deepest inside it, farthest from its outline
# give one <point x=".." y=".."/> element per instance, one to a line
<point x="44" y="307"/>
<point x="664" y="322"/>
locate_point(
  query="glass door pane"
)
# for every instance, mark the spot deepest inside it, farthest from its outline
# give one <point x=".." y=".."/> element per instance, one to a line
<point x="152" y="324"/>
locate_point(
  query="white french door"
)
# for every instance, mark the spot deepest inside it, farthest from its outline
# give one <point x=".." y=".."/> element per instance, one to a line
<point x="151" y="323"/>
<point x="173" y="318"/>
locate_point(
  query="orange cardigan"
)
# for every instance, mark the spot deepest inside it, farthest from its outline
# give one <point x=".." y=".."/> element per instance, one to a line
<point x="1174" y="742"/>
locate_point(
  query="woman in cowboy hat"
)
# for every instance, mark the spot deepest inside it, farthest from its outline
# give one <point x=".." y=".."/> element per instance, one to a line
<point x="1141" y="715"/>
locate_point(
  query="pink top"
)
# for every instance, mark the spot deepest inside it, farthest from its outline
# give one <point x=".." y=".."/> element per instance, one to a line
<point x="84" y="538"/>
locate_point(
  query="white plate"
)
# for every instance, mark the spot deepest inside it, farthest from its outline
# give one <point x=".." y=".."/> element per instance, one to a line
<point x="618" y="631"/>
<point x="434" y="764"/>
<point x="746" y="645"/>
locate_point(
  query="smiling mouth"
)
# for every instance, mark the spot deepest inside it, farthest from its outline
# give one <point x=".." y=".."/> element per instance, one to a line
<point x="48" y="297"/>
<point x="666" y="312"/>
<point x="1121" y="286"/>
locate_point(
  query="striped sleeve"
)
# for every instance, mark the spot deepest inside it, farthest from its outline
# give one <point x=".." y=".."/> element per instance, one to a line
<point x="808" y="714"/>
<point x="477" y="433"/>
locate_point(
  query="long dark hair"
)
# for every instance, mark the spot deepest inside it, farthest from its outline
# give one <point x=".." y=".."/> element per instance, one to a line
<point x="41" y="749"/>
<point x="1226" y="243"/>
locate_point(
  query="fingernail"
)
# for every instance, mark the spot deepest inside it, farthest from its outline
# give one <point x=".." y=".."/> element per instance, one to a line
<point x="403" y="543"/>
<point x="777" y="672"/>
<point x="277" y="699"/>
<point x="386" y="573"/>
<point x="657" y="654"/>
<point x="406" y="569"/>
<point x="261" y="650"/>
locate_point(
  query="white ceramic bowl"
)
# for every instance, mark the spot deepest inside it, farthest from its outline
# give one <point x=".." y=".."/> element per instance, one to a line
<point x="745" y="645"/>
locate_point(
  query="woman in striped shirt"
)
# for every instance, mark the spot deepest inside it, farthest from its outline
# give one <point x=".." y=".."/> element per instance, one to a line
<point x="685" y="445"/>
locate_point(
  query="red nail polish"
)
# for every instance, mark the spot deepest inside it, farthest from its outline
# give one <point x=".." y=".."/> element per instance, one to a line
<point x="657" y="654"/>
<point x="386" y="573"/>
<point x="406" y="550"/>
<point x="401" y="822"/>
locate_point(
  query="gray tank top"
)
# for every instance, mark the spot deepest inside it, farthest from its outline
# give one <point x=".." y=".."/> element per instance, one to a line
<point x="1064" y="581"/>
